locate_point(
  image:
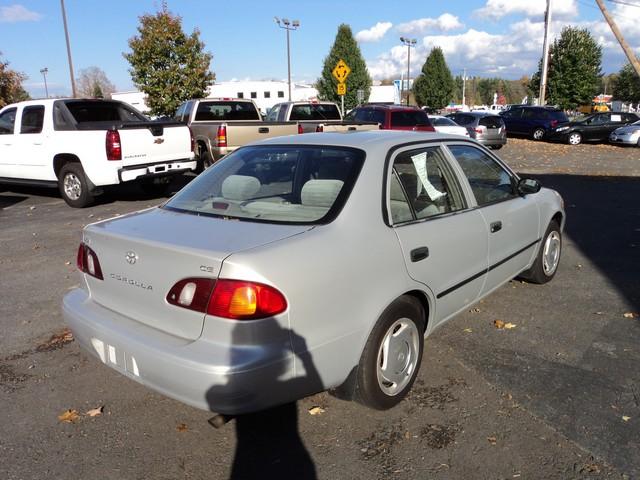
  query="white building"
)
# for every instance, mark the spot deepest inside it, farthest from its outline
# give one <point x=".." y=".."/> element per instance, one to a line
<point x="264" y="93"/>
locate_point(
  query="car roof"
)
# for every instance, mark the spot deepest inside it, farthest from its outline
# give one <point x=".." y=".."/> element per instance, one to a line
<point x="478" y="114"/>
<point x="389" y="107"/>
<point x="365" y="140"/>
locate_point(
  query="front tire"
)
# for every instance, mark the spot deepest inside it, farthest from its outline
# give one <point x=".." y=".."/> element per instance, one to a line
<point x="74" y="187"/>
<point x="546" y="263"/>
<point x="574" y="138"/>
<point x="538" y="134"/>
<point x="392" y="355"/>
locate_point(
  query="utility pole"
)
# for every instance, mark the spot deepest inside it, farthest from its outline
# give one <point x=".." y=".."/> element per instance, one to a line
<point x="66" y="34"/>
<point x="409" y="42"/>
<point x="464" y="87"/>
<point x="545" y="55"/>
<point x="623" y="43"/>
<point x="44" y="72"/>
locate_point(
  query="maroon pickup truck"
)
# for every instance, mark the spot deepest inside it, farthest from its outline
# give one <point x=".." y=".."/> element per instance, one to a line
<point x="392" y="117"/>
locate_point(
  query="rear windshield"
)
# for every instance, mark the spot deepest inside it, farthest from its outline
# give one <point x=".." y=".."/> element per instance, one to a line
<point x="103" y="111"/>
<point x="315" y="112"/>
<point x="409" y="118"/>
<point x="558" y="115"/>
<point x="301" y="184"/>
<point x="492" y="121"/>
<point x="463" y="120"/>
<point x="220" y="111"/>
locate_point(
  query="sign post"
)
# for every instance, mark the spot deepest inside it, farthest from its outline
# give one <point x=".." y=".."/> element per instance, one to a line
<point x="340" y="72"/>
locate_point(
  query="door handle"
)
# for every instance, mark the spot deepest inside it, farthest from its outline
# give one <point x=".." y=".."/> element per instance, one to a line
<point x="263" y="130"/>
<point x="495" y="226"/>
<point x="419" y="253"/>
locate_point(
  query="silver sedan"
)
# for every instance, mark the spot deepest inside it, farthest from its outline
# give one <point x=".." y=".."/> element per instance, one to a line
<point x="306" y="263"/>
<point x="627" y="135"/>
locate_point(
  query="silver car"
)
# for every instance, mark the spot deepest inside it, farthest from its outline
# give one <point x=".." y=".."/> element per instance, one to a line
<point x="485" y="127"/>
<point x="627" y="135"/>
<point x="306" y="263"/>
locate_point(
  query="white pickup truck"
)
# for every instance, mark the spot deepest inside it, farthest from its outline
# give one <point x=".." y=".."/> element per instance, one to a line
<point x="83" y="145"/>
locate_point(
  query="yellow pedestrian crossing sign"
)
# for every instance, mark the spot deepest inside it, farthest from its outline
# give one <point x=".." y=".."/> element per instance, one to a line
<point x="342" y="89"/>
<point x="341" y="71"/>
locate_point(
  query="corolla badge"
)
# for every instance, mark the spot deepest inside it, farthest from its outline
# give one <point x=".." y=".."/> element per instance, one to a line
<point x="131" y="257"/>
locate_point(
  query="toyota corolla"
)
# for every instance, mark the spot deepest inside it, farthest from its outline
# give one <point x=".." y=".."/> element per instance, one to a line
<point x="306" y="263"/>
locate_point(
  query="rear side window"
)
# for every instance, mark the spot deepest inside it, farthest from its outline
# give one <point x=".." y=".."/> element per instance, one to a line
<point x="272" y="116"/>
<point x="220" y="111"/>
<point x="102" y="111"/>
<point x="7" y="121"/>
<point x="409" y="118"/>
<point x="314" y="112"/>
<point x="558" y="115"/>
<point x="32" y="119"/>
<point x="491" y="121"/>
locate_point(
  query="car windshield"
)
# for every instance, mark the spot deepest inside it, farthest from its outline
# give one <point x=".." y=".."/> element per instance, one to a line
<point x="278" y="184"/>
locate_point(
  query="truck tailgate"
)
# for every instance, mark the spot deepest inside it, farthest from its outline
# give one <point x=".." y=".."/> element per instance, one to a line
<point x="239" y="134"/>
<point x="151" y="144"/>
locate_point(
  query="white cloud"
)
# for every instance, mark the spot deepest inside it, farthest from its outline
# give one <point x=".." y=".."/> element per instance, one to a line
<point x="443" y="23"/>
<point x="18" y="13"/>
<point x="497" y="9"/>
<point x="375" y="33"/>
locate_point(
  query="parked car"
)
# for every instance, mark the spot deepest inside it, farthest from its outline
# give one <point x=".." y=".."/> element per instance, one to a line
<point x="446" y="125"/>
<point x="220" y="125"/>
<point x="255" y="286"/>
<point x="81" y="146"/>
<point x="533" y="122"/>
<point x="592" y="128"/>
<point x="629" y="135"/>
<point x="485" y="127"/>
<point x="392" y="117"/>
<point x="315" y="117"/>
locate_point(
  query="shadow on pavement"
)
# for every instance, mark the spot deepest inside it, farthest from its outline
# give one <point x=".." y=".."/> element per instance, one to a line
<point x="269" y="444"/>
<point x="10" y="200"/>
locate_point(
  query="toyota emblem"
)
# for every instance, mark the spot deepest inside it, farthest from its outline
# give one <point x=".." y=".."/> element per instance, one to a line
<point x="131" y="257"/>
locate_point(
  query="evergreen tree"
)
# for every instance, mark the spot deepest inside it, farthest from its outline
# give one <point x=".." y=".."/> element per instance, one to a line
<point x="434" y="86"/>
<point x="574" y="69"/>
<point x="11" y="89"/>
<point x="346" y="48"/>
<point x="166" y="64"/>
<point x="626" y="86"/>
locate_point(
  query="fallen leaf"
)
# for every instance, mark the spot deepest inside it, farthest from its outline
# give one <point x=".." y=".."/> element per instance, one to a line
<point x="67" y="263"/>
<point x="182" y="427"/>
<point x="474" y="310"/>
<point x="509" y="326"/>
<point x="316" y="410"/>
<point x="626" y="418"/>
<point x="68" y="416"/>
<point x="631" y="315"/>
<point x="598" y="313"/>
<point x="94" y="412"/>
<point x="56" y="341"/>
<point x="467" y="330"/>
<point x="498" y="323"/>
<point x="492" y="440"/>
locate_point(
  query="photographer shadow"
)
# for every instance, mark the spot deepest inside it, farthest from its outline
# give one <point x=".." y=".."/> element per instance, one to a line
<point x="269" y="444"/>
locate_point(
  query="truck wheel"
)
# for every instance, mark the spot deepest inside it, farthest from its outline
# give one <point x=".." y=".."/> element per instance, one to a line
<point x="391" y="358"/>
<point x="73" y="186"/>
<point x="204" y="159"/>
<point x="538" y="134"/>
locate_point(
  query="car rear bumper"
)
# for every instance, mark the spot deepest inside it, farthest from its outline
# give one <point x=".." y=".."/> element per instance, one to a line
<point x="150" y="170"/>
<point x="492" y="141"/>
<point x="200" y="373"/>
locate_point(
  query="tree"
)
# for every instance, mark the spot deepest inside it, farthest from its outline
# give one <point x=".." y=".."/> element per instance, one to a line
<point x="434" y="86"/>
<point x="93" y="83"/>
<point x="346" y="48"/>
<point x="166" y="64"/>
<point x="574" y="69"/>
<point x="626" y="86"/>
<point x="11" y="89"/>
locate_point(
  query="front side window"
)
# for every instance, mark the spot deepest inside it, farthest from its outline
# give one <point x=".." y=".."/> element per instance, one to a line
<point x="422" y="185"/>
<point x="277" y="184"/>
<point x="7" y="121"/>
<point x="489" y="181"/>
<point x="32" y="119"/>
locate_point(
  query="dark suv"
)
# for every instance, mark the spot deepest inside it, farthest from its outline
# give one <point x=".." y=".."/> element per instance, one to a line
<point x="534" y="122"/>
<point x="392" y="117"/>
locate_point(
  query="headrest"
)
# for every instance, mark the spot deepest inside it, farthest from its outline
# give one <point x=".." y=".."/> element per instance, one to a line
<point x="240" y="187"/>
<point x="320" y="193"/>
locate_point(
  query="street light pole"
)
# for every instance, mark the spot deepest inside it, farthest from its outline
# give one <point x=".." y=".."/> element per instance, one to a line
<point x="545" y="56"/>
<point x="409" y="42"/>
<point x="44" y="72"/>
<point x="288" y="25"/>
<point x="66" y="34"/>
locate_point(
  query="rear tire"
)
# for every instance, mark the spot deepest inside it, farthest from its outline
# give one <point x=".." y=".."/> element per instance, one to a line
<point x="205" y="160"/>
<point x="496" y="147"/>
<point x="74" y="187"/>
<point x="538" y="134"/>
<point x="574" y="138"/>
<point x="545" y="266"/>
<point x="392" y="355"/>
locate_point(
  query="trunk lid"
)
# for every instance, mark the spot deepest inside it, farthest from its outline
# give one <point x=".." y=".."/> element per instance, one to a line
<point x="144" y="254"/>
<point x="154" y="142"/>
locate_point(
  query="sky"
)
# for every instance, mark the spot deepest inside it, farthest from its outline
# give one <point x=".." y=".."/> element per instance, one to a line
<point x="487" y="37"/>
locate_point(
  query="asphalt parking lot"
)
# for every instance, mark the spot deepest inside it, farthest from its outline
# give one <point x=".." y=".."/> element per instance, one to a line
<point x="556" y="397"/>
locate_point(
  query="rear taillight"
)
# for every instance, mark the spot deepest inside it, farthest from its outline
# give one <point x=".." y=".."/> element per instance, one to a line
<point x="245" y="300"/>
<point x="193" y="140"/>
<point x="221" y="136"/>
<point x="479" y="129"/>
<point x="300" y="129"/>
<point x="191" y="293"/>
<point x="554" y="123"/>
<point x="113" y="147"/>
<point x="320" y="128"/>
<point x="87" y="262"/>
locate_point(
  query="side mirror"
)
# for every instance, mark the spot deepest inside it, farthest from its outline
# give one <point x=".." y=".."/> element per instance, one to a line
<point x="528" y="185"/>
